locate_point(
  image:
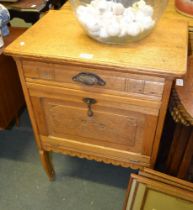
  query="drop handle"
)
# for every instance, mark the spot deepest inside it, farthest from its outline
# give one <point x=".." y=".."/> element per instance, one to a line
<point x="89" y="102"/>
<point x="90" y="79"/>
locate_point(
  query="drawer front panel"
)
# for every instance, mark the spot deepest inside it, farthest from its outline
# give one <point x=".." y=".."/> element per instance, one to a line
<point x="103" y="128"/>
<point x="109" y="126"/>
<point x="122" y="82"/>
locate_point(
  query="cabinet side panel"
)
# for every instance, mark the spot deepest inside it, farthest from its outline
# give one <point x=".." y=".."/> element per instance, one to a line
<point x="161" y="119"/>
<point x="28" y="101"/>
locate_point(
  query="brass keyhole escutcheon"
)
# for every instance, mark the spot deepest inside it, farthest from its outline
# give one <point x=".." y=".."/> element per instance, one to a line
<point x="89" y="102"/>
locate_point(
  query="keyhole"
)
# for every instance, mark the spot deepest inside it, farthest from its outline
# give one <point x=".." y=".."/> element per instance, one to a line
<point x="89" y="102"/>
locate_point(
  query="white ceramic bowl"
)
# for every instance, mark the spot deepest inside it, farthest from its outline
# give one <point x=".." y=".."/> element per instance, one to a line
<point x="118" y="21"/>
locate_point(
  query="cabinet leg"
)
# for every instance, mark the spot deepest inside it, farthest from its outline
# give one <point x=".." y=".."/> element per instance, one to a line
<point x="46" y="162"/>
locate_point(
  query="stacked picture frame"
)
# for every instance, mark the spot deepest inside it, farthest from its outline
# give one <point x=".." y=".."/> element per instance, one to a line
<point x="152" y="190"/>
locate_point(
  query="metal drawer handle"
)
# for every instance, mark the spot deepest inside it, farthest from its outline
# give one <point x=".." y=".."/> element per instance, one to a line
<point x="88" y="79"/>
<point x="89" y="102"/>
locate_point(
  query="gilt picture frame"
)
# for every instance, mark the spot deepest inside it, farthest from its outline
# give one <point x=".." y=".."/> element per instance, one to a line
<point x="151" y="194"/>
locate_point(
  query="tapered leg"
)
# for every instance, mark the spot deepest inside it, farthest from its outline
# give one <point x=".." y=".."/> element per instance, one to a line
<point x="46" y="162"/>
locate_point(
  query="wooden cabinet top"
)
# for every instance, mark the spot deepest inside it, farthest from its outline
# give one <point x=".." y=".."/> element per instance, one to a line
<point x="59" y="37"/>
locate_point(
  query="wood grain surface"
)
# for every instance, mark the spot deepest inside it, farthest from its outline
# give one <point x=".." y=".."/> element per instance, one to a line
<point x="56" y="37"/>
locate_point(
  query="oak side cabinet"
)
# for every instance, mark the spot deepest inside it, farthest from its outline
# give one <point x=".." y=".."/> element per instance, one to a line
<point x="97" y="101"/>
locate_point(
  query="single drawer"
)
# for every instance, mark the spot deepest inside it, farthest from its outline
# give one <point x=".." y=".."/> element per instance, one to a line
<point x="85" y="78"/>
